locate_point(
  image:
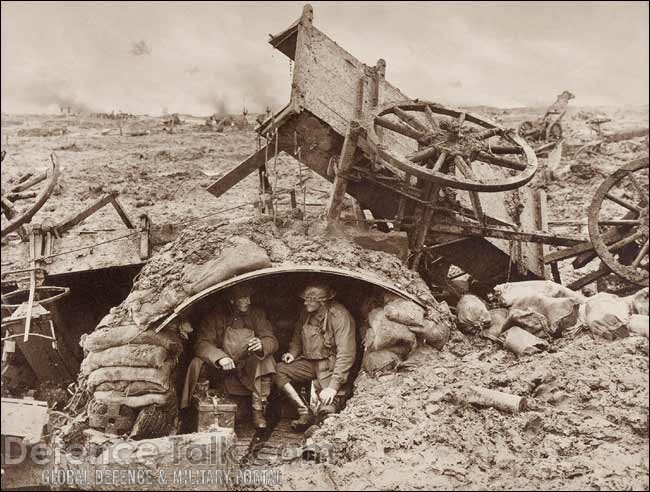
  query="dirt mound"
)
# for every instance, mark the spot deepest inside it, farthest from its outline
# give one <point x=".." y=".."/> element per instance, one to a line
<point x="160" y="286"/>
<point x="587" y="429"/>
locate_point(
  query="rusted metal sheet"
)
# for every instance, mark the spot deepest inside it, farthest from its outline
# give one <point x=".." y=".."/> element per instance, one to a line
<point x="264" y="272"/>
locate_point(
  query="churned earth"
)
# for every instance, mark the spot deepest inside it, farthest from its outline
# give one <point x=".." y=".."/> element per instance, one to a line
<point x="587" y="425"/>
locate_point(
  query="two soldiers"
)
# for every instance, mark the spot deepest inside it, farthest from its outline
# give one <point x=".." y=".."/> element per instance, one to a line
<point x="241" y="342"/>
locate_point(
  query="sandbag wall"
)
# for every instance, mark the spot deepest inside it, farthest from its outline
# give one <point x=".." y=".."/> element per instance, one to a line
<point x="126" y="369"/>
<point x="392" y="331"/>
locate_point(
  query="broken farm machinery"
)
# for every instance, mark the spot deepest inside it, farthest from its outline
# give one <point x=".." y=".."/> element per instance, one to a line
<point x="547" y="128"/>
<point x="453" y="181"/>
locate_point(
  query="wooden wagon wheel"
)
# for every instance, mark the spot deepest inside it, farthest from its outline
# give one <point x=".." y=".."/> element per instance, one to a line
<point x="621" y="242"/>
<point x="17" y="219"/>
<point x="450" y="140"/>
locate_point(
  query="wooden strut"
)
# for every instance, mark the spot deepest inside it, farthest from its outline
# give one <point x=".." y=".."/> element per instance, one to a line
<point x="345" y="163"/>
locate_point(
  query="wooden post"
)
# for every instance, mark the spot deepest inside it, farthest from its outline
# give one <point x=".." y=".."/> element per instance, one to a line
<point x="345" y="163"/>
<point x="145" y="245"/>
<point x="542" y="224"/>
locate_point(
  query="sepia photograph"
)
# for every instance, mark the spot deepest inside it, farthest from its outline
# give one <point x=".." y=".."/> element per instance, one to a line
<point x="325" y="246"/>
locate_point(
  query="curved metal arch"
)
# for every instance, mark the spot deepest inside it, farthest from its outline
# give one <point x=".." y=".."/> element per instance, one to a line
<point x="265" y="272"/>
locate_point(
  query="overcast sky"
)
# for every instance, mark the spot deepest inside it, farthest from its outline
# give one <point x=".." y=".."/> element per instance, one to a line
<point x="199" y="56"/>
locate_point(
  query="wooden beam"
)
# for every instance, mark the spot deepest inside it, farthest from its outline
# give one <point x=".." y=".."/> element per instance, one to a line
<point x="345" y="163"/>
<point x="237" y="174"/>
<point x="508" y="234"/>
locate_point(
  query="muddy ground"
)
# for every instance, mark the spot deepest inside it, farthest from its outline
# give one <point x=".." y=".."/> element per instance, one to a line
<point x="588" y="427"/>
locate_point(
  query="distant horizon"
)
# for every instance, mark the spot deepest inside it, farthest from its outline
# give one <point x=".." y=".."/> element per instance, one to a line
<point x="196" y="115"/>
<point x="202" y="58"/>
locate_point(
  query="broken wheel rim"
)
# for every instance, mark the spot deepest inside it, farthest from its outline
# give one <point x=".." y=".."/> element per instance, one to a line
<point x="632" y="228"/>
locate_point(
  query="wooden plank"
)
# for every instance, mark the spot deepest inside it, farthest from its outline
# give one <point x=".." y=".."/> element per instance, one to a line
<point x="234" y="176"/>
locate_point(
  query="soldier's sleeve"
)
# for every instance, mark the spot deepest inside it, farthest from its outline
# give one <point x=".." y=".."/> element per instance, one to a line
<point x="264" y="332"/>
<point x="295" y="346"/>
<point x="342" y="325"/>
<point x="207" y="341"/>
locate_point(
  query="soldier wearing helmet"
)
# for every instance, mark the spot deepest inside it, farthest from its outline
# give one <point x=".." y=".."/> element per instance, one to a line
<point x="322" y="349"/>
<point x="240" y="341"/>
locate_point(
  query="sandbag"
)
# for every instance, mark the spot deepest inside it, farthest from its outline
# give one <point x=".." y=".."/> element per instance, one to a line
<point x="521" y="342"/>
<point x="144" y="355"/>
<point x="401" y="351"/>
<point x="146" y="307"/>
<point x="510" y="292"/>
<point x="388" y="333"/>
<point x="498" y="319"/>
<point x="159" y="376"/>
<point x="381" y="360"/>
<point x="134" y="401"/>
<point x="132" y="388"/>
<point x="472" y="315"/>
<point x="245" y="257"/>
<point x="108" y="337"/>
<point x="560" y="313"/>
<point x="638" y="302"/>
<point x="529" y="320"/>
<point x="607" y="315"/>
<point x="639" y="324"/>
<point x="404" y="312"/>
<point x="434" y="334"/>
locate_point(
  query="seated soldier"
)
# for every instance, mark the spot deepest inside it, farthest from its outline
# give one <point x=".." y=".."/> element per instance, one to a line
<point x="323" y="348"/>
<point x="240" y="341"/>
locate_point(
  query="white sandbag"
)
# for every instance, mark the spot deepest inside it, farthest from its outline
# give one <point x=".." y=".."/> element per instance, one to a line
<point x="404" y="312"/>
<point x="111" y="397"/>
<point x="245" y="257"/>
<point x="638" y="302"/>
<point x="388" y="333"/>
<point x="108" y="337"/>
<point x="639" y="324"/>
<point x="473" y="316"/>
<point x="144" y="355"/>
<point x="159" y="376"/>
<point x="607" y="315"/>
<point x="510" y="292"/>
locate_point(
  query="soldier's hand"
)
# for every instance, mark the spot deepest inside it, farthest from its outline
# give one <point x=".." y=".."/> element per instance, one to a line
<point x="226" y="363"/>
<point x="327" y="396"/>
<point x="255" y="345"/>
<point x="287" y="358"/>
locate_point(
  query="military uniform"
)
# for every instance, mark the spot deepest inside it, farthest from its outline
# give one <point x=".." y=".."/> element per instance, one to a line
<point x="226" y="334"/>
<point x="324" y="348"/>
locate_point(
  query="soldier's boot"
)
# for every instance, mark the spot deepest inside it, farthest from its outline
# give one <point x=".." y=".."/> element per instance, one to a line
<point x="336" y="406"/>
<point x="304" y="419"/>
<point x="259" y="404"/>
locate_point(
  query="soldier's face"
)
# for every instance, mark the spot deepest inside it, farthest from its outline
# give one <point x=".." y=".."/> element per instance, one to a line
<point x="243" y="304"/>
<point x="312" y="306"/>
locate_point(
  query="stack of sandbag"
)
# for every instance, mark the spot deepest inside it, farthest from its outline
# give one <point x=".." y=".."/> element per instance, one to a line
<point x="131" y="366"/>
<point x="392" y="332"/>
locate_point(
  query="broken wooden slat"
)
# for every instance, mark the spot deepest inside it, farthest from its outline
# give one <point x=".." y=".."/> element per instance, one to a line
<point x="237" y="174"/>
<point x="81" y="216"/>
<point x="509" y="234"/>
<point x="120" y="211"/>
<point x="29" y="183"/>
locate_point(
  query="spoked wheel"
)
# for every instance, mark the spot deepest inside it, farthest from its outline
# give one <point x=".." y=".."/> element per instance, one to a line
<point x="448" y="142"/>
<point x="24" y="191"/>
<point x="618" y="222"/>
<point x="525" y="129"/>
<point x="554" y="133"/>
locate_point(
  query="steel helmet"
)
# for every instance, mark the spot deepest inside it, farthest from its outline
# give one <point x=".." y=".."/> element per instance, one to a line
<point x="318" y="293"/>
<point x="241" y="290"/>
